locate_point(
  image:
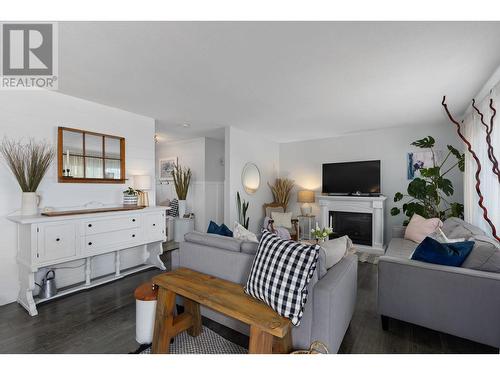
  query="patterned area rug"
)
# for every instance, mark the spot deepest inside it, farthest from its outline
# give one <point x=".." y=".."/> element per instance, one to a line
<point x="208" y="342"/>
<point x="365" y="257"/>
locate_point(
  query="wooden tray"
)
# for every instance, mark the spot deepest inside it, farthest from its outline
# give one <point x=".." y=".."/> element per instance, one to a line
<point x="92" y="210"/>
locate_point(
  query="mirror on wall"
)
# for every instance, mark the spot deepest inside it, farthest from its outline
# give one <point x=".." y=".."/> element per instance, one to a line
<point x="250" y="178"/>
<point x="89" y="157"/>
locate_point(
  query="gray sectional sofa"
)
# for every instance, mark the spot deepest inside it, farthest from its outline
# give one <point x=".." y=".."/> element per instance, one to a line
<point x="462" y="301"/>
<point x="332" y="293"/>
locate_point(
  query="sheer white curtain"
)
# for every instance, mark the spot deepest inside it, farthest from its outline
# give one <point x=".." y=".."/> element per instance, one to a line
<point x="475" y="132"/>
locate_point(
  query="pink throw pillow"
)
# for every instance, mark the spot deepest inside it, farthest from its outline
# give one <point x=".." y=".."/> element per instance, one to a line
<point x="418" y="228"/>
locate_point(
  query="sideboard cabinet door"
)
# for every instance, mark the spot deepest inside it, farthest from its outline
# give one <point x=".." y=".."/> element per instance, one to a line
<point x="56" y="241"/>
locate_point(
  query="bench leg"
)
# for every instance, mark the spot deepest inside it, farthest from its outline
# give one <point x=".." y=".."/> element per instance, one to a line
<point x="164" y="320"/>
<point x="193" y="308"/>
<point x="385" y="322"/>
<point x="261" y="342"/>
<point x="283" y="345"/>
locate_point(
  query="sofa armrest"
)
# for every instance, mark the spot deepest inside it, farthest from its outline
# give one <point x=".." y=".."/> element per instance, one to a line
<point x="334" y="301"/>
<point x="455" y="300"/>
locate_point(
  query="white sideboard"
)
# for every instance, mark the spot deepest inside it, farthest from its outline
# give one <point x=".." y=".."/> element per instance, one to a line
<point x="47" y="241"/>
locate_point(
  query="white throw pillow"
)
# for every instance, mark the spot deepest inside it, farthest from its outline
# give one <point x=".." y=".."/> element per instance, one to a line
<point x="241" y="233"/>
<point x="336" y="249"/>
<point x="282" y="219"/>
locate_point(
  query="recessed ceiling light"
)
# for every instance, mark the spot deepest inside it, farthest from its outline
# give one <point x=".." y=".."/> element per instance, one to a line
<point x="186" y="125"/>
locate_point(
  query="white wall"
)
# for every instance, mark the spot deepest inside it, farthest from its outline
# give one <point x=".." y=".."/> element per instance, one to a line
<point x="302" y="161"/>
<point x="243" y="147"/>
<point x="205" y="195"/>
<point x="37" y="115"/>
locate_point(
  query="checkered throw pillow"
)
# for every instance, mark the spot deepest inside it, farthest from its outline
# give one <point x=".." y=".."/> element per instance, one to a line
<point x="280" y="274"/>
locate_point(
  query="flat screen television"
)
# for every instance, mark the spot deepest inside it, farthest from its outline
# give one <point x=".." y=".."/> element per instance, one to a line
<point x="352" y="178"/>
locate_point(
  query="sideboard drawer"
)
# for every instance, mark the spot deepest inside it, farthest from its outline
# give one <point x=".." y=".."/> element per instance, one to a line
<point x="155" y="226"/>
<point x="102" y="241"/>
<point x="111" y="224"/>
<point x="56" y="241"/>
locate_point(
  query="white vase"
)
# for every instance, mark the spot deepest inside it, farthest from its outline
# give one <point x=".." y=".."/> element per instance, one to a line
<point x="29" y="203"/>
<point x="182" y="208"/>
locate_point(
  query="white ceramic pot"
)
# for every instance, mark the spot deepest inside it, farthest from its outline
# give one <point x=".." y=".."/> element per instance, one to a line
<point x="29" y="203"/>
<point x="182" y="208"/>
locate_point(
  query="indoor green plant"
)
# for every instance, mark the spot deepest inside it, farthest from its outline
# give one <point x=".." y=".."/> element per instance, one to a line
<point x="321" y="234"/>
<point x="182" y="179"/>
<point x="242" y="211"/>
<point x="29" y="163"/>
<point x="428" y="195"/>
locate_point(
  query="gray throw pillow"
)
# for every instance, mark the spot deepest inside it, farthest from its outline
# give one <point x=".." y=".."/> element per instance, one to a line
<point x="454" y="227"/>
<point x="485" y="255"/>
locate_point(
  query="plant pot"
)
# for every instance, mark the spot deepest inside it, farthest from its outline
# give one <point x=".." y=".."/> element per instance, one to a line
<point x="29" y="203"/>
<point x="130" y="200"/>
<point x="182" y="208"/>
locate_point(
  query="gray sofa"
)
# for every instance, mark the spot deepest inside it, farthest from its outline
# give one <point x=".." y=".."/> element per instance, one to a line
<point x="332" y="293"/>
<point x="462" y="301"/>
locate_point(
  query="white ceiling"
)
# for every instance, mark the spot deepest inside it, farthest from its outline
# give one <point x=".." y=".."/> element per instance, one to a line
<point x="287" y="80"/>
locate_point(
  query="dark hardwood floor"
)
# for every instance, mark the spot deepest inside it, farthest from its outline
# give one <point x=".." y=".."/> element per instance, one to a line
<point x="102" y="320"/>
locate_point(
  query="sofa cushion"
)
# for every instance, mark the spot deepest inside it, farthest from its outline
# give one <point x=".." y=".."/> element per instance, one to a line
<point x="280" y="275"/>
<point x="446" y="254"/>
<point x="221" y="230"/>
<point x="419" y="227"/>
<point x="335" y="250"/>
<point x="485" y="255"/>
<point x="454" y="227"/>
<point x="400" y="248"/>
<point x="214" y="240"/>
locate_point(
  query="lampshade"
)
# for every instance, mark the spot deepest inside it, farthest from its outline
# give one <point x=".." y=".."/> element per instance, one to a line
<point x="305" y="196"/>
<point x="142" y="182"/>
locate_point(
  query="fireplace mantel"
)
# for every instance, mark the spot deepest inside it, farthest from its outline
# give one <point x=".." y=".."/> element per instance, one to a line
<point x="371" y="205"/>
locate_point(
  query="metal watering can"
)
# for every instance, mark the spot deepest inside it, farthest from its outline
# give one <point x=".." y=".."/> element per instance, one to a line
<point x="48" y="288"/>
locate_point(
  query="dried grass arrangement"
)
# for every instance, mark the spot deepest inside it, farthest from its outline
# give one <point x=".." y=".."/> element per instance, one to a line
<point x="182" y="178"/>
<point x="281" y="190"/>
<point x="28" y="162"/>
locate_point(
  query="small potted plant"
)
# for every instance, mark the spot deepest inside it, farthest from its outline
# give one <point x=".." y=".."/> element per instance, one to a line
<point x="29" y="163"/>
<point x="321" y="234"/>
<point x="182" y="179"/>
<point x="130" y="197"/>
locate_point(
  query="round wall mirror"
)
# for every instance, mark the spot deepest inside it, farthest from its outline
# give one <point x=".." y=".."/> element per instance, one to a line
<point x="250" y="178"/>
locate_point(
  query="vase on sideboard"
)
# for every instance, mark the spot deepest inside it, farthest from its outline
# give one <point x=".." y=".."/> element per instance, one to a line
<point x="182" y="208"/>
<point x="29" y="203"/>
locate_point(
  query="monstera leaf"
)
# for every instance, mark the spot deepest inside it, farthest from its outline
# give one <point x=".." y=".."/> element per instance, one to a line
<point x="460" y="157"/>
<point x="457" y="210"/>
<point x="395" y="211"/>
<point x="430" y="172"/>
<point x="426" y="142"/>
<point x="416" y="188"/>
<point x="445" y="185"/>
<point x="397" y="197"/>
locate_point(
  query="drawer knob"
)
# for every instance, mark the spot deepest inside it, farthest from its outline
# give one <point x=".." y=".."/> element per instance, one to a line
<point x="90" y="243"/>
<point x="58" y="239"/>
<point x="133" y="220"/>
<point x="90" y="225"/>
<point x="154" y="225"/>
<point x="133" y="235"/>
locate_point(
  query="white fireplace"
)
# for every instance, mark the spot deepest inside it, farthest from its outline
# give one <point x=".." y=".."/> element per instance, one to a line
<point x="344" y="205"/>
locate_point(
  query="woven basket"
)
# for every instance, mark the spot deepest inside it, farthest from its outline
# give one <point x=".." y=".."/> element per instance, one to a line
<point x="317" y="347"/>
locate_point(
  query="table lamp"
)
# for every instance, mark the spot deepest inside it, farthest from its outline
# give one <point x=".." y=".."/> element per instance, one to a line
<point x="306" y="197"/>
<point x="142" y="183"/>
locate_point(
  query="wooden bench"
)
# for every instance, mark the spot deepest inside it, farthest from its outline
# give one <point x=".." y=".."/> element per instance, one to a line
<point x="269" y="332"/>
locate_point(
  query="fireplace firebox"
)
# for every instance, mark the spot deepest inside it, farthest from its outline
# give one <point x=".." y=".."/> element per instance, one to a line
<point x="356" y="225"/>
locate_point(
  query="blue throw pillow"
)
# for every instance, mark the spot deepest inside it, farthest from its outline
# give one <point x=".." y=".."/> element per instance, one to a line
<point x="221" y="230"/>
<point x="213" y="228"/>
<point x="225" y="231"/>
<point x="446" y="254"/>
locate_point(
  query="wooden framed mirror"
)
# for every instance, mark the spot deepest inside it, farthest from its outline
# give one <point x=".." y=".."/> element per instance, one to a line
<point x="89" y="157"/>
